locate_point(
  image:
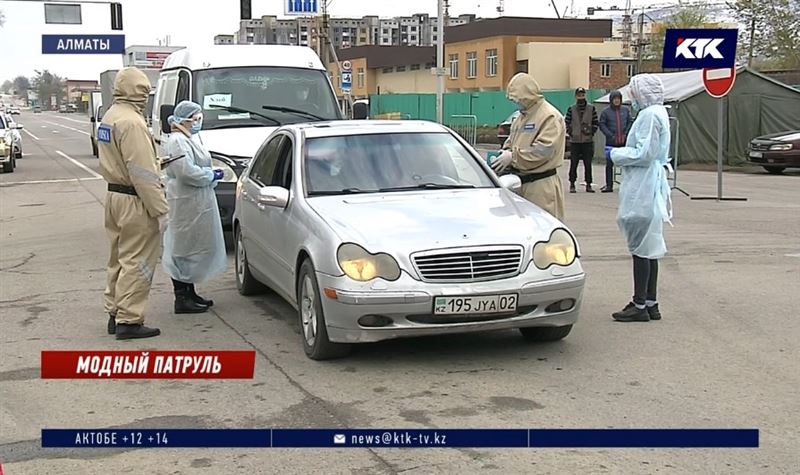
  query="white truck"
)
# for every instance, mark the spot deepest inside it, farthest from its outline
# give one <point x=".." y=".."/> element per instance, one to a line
<point x="95" y="112"/>
<point x="105" y="97"/>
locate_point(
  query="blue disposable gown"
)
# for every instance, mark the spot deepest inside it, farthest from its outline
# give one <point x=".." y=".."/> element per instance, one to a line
<point x="644" y="197"/>
<point x="194" y="247"/>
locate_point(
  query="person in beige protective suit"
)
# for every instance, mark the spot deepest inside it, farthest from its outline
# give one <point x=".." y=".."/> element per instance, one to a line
<point x="535" y="148"/>
<point x="135" y="208"/>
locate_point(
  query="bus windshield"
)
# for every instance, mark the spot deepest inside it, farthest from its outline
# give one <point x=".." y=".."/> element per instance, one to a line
<point x="275" y="95"/>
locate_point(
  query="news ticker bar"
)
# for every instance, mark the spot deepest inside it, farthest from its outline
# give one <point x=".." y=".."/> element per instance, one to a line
<point x="400" y="438"/>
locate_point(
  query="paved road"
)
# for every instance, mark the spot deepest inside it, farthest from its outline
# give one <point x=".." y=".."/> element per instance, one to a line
<point x="725" y="355"/>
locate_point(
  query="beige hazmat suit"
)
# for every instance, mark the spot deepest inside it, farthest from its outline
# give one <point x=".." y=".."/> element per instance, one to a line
<point x="128" y="161"/>
<point x="537" y="145"/>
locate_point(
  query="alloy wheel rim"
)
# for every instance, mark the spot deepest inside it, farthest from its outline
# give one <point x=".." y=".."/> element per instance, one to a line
<point x="308" y="311"/>
<point x="239" y="258"/>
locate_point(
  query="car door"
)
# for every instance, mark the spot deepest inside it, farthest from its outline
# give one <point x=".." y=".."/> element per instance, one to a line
<point x="280" y="236"/>
<point x="252" y="220"/>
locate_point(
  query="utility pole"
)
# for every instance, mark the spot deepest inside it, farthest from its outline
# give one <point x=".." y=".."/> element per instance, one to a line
<point x="640" y="44"/>
<point x="752" y="39"/>
<point x="440" y="64"/>
<point x="329" y="55"/>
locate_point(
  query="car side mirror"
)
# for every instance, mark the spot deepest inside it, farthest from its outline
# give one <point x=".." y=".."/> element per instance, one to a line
<point x="92" y="119"/>
<point x="165" y="111"/>
<point x="511" y="182"/>
<point x="18" y="126"/>
<point x="274" y="196"/>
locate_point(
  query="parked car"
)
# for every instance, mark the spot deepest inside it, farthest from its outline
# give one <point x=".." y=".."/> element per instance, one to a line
<point x="10" y="131"/>
<point x="776" y="152"/>
<point x="14" y="110"/>
<point x="504" y="130"/>
<point x="375" y="230"/>
<point x="62" y="109"/>
<point x="37" y="109"/>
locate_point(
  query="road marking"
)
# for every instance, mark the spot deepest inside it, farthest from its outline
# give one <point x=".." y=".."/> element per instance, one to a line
<point x="793" y="255"/>
<point x="89" y="170"/>
<point x="70" y="128"/>
<point x="37" y="182"/>
<point x="33" y="136"/>
<point x="84" y="122"/>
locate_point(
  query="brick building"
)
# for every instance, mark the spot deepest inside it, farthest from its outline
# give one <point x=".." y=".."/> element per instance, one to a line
<point x="610" y="73"/>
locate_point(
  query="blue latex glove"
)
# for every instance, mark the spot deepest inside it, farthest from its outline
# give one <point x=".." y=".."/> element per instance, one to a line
<point x="608" y="150"/>
<point x="218" y="174"/>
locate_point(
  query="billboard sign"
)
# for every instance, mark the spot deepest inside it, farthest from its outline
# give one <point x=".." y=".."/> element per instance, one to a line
<point x="699" y="48"/>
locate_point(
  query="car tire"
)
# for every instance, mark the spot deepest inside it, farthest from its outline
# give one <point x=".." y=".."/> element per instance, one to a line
<point x="18" y="153"/>
<point x="545" y="333"/>
<point x="775" y="170"/>
<point x="311" y="316"/>
<point x="95" y="152"/>
<point x="246" y="283"/>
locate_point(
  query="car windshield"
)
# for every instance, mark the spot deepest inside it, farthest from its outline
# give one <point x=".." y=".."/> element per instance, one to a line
<point x="262" y="90"/>
<point x="390" y="162"/>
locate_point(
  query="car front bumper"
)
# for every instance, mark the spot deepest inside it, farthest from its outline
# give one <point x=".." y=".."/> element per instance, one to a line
<point x="409" y="305"/>
<point x="787" y="158"/>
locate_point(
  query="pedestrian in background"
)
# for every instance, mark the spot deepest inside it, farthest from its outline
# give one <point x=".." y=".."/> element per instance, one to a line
<point x="135" y="208"/>
<point x="582" y="124"/>
<point x="615" y="122"/>
<point x="644" y="197"/>
<point x="194" y="247"/>
<point x="535" y="147"/>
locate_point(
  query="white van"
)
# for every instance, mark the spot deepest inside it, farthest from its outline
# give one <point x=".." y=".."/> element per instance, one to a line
<point x="246" y="91"/>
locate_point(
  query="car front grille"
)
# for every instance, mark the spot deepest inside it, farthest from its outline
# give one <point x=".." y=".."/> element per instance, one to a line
<point x="468" y="265"/>
<point x="759" y="146"/>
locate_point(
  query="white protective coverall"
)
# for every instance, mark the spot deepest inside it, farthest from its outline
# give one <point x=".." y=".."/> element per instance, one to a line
<point x="644" y="197"/>
<point x="194" y="247"/>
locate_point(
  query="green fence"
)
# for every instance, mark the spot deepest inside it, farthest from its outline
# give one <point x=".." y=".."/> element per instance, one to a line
<point x="489" y="107"/>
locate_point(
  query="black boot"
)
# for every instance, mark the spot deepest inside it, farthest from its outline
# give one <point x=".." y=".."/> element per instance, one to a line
<point x="572" y="188"/>
<point x="128" y="332"/>
<point x="112" y="324"/>
<point x="589" y="188"/>
<point x="607" y="189"/>
<point x="185" y="304"/>
<point x="199" y="299"/>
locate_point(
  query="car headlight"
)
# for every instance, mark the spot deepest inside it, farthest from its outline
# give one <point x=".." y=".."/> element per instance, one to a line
<point x="559" y="250"/>
<point x="358" y="264"/>
<point x="229" y="175"/>
<point x="8" y="140"/>
<point x="780" y="147"/>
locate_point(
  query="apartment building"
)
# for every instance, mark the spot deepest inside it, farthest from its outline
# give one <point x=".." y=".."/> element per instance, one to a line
<point x="416" y="30"/>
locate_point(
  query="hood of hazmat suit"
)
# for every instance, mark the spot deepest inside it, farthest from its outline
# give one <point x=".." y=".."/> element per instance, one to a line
<point x="131" y="86"/>
<point x="194" y="246"/>
<point x="644" y="197"/>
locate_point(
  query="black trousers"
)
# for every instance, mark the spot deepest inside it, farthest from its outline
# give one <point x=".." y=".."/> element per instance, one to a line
<point x="610" y="169"/>
<point x="645" y="280"/>
<point x="581" y="152"/>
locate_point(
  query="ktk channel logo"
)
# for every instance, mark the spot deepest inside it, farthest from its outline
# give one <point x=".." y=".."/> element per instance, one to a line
<point x="700" y="48"/>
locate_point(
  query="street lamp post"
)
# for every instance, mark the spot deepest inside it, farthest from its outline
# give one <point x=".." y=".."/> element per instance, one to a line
<point x="440" y="64"/>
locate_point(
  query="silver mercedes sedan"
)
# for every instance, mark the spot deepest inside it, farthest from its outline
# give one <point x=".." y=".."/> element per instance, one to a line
<point x="378" y="229"/>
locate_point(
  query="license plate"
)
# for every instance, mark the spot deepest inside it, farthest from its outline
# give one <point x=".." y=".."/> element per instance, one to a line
<point x="756" y="154"/>
<point x="483" y="304"/>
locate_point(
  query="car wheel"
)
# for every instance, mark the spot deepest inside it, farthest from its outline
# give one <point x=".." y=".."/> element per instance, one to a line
<point x="245" y="282"/>
<point x="313" y="329"/>
<point x="775" y="170"/>
<point x="545" y="333"/>
<point x="95" y="152"/>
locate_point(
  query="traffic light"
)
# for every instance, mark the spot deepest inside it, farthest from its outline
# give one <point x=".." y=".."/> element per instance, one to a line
<point x="116" y="16"/>
<point x="245" y="9"/>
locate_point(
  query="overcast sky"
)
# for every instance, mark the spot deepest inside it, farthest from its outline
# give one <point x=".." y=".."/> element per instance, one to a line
<point x="195" y="22"/>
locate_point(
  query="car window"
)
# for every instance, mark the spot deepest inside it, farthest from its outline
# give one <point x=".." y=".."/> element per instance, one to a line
<point x="384" y="161"/>
<point x="283" y="177"/>
<point x="266" y="161"/>
<point x="183" y="87"/>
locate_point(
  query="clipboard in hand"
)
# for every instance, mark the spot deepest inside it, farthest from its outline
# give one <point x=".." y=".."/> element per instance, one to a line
<point x="165" y="162"/>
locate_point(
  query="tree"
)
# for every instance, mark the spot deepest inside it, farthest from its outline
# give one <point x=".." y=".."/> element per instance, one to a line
<point x="694" y="17"/>
<point x="21" y="85"/>
<point x="47" y="85"/>
<point x="772" y="35"/>
<point x="7" y="87"/>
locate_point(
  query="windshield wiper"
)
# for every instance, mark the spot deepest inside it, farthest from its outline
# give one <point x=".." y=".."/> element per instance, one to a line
<point x="289" y="110"/>
<point x="428" y="186"/>
<point x="346" y="191"/>
<point x="245" y="111"/>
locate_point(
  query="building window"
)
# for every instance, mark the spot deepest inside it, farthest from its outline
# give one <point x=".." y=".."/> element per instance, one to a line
<point x="472" y="64"/>
<point x="630" y="70"/>
<point x="491" y="62"/>
<point x="415" y="67"/>
<point x="453" y="66"/>
<point x="429" y="65"/>
<point x="400" y="69"/>
<point x="388" y="70"/>
<point x="605" y="70"/>
<point x="413" y="37"/>
<point x="360" y="78"/>
<point x="385" y="31"/>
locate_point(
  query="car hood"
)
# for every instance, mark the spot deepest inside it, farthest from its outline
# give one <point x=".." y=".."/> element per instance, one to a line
<point x="787" y="136"/>
<point x="405" y="222"/>
<point x="236" y="142"/>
